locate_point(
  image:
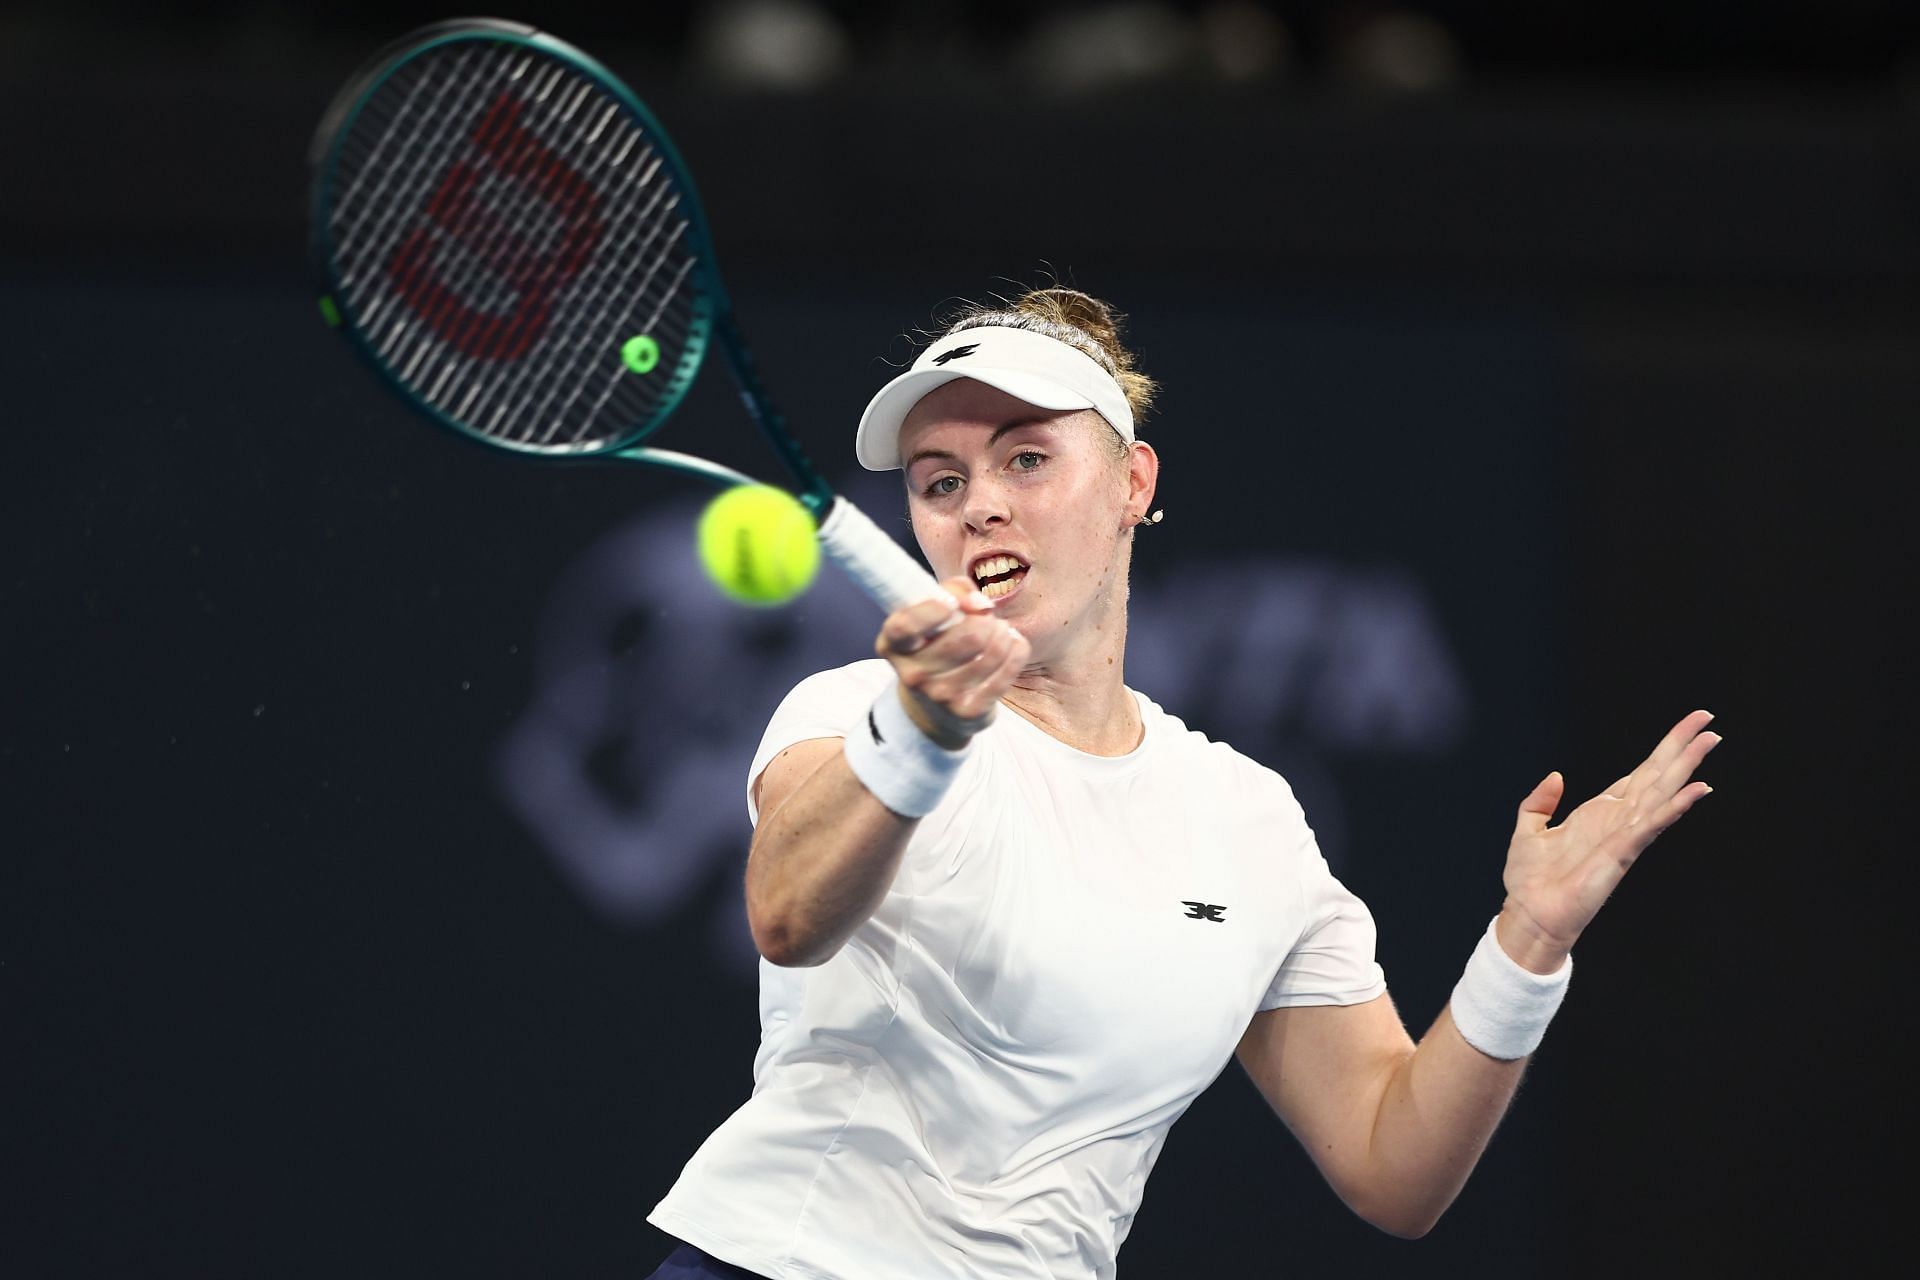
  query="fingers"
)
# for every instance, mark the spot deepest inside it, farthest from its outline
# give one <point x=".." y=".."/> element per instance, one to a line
<point x="1652" y="791"/>
<point x="1537" y="809"/>
<point x="956" y="660"/>
<point x="1668" y="772"/>
<point x="1644" y="797"/>
<point x="912" y="627"/>
<point x="1663" y="813"/>
<point x="1670" y="749"/>
<point x="1623" y="846"/>
<point x="967" y="670"/>
<point x="1661" y="802"/>
<point x="1574" y="867"/>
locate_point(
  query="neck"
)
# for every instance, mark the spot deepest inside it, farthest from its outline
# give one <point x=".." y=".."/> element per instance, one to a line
<point x="1078" y="693"/>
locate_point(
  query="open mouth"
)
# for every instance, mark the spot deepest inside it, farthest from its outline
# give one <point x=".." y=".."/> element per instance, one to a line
<point x="998" y="575"/>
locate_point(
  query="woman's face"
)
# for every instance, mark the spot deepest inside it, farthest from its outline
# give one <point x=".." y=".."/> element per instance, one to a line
<point x="1031" y="504"/>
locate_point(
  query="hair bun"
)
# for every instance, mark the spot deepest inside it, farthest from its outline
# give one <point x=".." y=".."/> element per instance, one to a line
<point x="1081" y="310"/>
<point x="1078" y="319"/>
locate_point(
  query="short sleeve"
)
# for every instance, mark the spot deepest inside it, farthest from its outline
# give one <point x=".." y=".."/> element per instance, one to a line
<point x="825" y="705"/>
<point x="1333" y="961"/>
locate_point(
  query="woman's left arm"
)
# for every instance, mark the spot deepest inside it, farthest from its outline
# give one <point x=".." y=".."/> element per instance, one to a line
<point x="1396" y="1128"/>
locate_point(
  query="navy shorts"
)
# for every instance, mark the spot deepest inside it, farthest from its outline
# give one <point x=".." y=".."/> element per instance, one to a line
<point x="689" y="1263"/>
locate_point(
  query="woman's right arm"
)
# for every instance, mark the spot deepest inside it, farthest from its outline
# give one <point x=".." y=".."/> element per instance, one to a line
<point x="825" y="850"/>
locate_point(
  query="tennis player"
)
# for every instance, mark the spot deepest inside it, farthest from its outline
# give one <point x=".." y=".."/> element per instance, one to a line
<point x="1015" y="916"/>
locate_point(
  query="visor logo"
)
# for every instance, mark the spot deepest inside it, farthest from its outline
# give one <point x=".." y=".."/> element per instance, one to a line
<point x="956" y="353"/>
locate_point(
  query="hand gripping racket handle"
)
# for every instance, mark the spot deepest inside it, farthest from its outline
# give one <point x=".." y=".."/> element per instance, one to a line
<point x="873" y="560"/>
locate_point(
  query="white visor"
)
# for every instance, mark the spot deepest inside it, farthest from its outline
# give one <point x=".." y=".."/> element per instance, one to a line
<point x="1042" y="371"/>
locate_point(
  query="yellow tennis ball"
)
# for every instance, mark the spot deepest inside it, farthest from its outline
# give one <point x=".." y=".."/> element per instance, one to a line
<point x="758" y="544"/>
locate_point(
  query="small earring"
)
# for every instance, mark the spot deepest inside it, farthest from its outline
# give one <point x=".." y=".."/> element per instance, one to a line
<point x="1155" y="518"/>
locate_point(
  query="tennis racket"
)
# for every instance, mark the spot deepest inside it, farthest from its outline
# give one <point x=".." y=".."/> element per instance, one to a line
<point x="509" y="237"/>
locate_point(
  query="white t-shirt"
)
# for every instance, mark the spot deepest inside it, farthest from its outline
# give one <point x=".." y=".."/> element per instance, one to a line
<point x="978" y="1082"/>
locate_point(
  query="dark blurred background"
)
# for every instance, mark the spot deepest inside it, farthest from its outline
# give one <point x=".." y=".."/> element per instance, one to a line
<point x="1534" y="374"/>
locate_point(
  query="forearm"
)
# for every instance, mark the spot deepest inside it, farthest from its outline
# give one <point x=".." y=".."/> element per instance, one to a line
<point x="821" y="864"/>
<point x="1443" y="1100"/>
<point x="837" y="813"/>
<point x="1438" y="1109"/>
<point x="1398" y="1127"/>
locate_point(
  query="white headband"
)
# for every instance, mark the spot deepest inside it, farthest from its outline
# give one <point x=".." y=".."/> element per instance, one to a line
<point x="1042" y="371"/>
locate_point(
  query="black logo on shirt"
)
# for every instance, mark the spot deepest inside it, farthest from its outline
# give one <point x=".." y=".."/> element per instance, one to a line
<point x="874" y="728"/>
<point x="956" y="353"/>
<point x="1204" y="911"/>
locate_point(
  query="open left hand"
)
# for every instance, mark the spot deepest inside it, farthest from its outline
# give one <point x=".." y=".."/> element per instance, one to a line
<point x="1558" y="877"/>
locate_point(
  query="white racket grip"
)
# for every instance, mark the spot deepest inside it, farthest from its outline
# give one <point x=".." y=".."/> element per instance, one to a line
<point x="874" y="561"/>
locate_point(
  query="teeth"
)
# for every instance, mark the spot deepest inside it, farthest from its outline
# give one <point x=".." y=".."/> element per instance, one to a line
<point x="994" y="590"/>
<point x="995" y="565"/>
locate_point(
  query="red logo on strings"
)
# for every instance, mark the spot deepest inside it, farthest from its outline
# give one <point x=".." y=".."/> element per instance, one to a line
<point x="535" y="275"/>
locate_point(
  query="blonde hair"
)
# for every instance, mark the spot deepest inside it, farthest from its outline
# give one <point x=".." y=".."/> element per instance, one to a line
<point x="1078" y="319"/>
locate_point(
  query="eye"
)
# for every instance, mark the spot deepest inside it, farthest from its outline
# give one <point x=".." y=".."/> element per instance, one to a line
<point x="1028" y="460"/>
<point x="942" y="486"/>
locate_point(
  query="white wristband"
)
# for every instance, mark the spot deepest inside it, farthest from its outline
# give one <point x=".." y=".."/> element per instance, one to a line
<point x="894" y="759"/>
<point x="1502" y="1009"/>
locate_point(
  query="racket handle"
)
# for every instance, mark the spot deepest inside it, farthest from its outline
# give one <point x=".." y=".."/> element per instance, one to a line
<point x="874" y="561"/>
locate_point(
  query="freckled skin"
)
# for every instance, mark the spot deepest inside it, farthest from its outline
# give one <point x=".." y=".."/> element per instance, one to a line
<point x="1069" y="513"/>
<point x="987" y="472"/>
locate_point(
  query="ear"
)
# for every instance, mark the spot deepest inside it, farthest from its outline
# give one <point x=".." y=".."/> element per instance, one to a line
<point x="1143" y="477"/>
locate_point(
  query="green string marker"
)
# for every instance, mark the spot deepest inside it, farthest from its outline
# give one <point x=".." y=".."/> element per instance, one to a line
<point x="641" y="354"/>
<point x="329" y="312"/>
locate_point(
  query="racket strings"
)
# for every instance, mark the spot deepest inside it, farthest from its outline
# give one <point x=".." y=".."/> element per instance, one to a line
<point x="652" y="325"/>
<point x="513" y="404"/>
<point x="495" y="210"/>
<point x="502" y="226"/>
<point x="510" y="214"/>
<point x="404" y="153"/>
<point x="603" y="314"/>
<point x="422" y="167"/>
<point x="628" y="260"/>
<point x="600" y="294"/>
